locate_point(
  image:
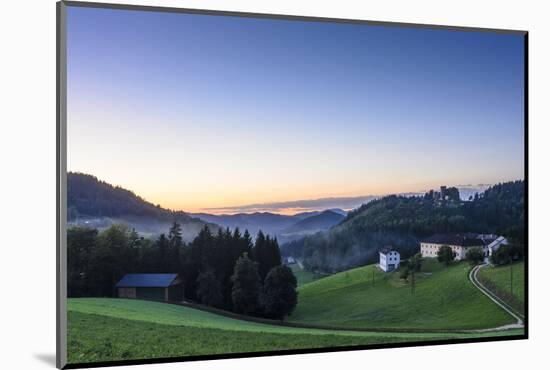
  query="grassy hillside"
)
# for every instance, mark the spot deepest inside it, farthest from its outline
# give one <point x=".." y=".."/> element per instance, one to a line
<point x="103" y="338"/>
<point x="497" y="279"/>
<point x="444" y="299"/>
<point x="304" y="276"/>
<point x="103" y="329"/>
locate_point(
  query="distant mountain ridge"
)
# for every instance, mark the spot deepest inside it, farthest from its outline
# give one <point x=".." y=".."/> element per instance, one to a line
<point x="284" y="227"/>
<point x="268" y="222"/>
<point x="322" y="221"/>
<point x="95" y="203"/>
<point x="92" y="202"/>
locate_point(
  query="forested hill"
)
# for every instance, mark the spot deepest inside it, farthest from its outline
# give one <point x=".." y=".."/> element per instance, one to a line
<point x="322" y="221"/>
<point x="500" y="209"/>
<point x="96" y="203"/>
<point x="402" y="221"/>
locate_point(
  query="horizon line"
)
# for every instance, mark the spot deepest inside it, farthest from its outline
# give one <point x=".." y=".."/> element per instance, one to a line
<point x="294" y="207"/>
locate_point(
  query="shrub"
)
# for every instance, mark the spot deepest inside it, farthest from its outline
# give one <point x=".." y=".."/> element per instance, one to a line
<point x="279" y="296"/>
<point x="445" y="255"/>
<point x="475" y="255"/>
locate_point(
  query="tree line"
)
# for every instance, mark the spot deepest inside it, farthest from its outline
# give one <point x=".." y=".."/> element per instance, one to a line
<point x="226" y="270"/>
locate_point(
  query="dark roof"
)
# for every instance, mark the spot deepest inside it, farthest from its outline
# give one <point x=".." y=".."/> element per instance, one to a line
<point x="146" y="280"/>
<point x="387" y="249"/>
<point x="461" y="239"/>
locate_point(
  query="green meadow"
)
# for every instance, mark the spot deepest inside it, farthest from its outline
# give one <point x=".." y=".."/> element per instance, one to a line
<point x="444" y="300"/>
<point x="104" y="329"/>
<point x="500" y="276"/>
<point x="365" y="297"/>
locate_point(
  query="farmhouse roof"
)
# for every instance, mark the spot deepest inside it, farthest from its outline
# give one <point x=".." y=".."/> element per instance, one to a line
<point x="460" y="239"/>
<point x="146" y="280"/>
<point x="495" y="244"/>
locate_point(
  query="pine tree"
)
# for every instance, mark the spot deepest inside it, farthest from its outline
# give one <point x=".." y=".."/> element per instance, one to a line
<point x="236" y="244"/>
<point x="274" y="253"/>
<point x="162" y="256"/>
<point x="81" y="243"/>
<point x="111" y="259"/>
<point x="246" y="286"/>
<point x="246" y="243"/>
<point x="134" y="239"/>
<point x="195" y="259"/>
<point x="175" y="242"/>
<point x="258" y="250"/>
<point x="266" y="254"/>
<point x="209" y="289"/>
<point x="174" y="236"/>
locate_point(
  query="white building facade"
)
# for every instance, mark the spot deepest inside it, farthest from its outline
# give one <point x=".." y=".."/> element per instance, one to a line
<point x="460" y="243"/>
<point x="389" y="259"/>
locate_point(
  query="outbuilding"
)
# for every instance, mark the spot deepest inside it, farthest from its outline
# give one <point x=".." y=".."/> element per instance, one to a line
<point x="159" y="287"/>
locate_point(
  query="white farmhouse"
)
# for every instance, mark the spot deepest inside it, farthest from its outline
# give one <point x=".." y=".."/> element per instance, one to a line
<point x="389" y="259"/>
<point x="460" y="243"/>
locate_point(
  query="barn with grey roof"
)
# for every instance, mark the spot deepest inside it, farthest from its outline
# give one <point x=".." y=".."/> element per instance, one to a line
<point x="159" y="287"/>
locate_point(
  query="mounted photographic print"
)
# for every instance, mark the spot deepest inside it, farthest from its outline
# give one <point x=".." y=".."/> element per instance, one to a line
<point x="236" y="185"/>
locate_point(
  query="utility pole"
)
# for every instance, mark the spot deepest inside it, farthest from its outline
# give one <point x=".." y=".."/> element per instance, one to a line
<point x="413" y="280"/>
<point x="511" y="279"/>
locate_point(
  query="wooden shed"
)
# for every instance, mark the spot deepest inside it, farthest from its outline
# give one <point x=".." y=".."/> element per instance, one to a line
<point x="159" y="287"/>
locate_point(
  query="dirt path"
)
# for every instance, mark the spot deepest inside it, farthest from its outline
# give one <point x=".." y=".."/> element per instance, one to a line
<point x="518" y="317"/>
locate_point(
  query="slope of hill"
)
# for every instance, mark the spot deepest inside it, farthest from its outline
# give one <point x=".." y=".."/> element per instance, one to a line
<point x="269" y="223"/>
<point x="303" y="276"/>
<point x="103" y="329"/>
<point x="285" y="227"/>
<point x="367" y="298"/>
<point x="402" y="221"/>
<point x="304" y="215"/>
<point x="323" y="221"/>
<point x="95" y="203"/>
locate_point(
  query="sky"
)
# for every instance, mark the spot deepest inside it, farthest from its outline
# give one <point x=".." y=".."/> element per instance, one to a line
<point x="200" y="112"/>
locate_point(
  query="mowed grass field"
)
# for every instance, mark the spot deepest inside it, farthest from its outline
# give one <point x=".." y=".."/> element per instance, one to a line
<point x="104" y="329"/>
<point x="444" y="299"/>
<point x="500" y="276"/>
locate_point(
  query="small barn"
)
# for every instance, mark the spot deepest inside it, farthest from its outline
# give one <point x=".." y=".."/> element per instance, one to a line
<point x="389" y="259"/>
<point x="159" y="287"/>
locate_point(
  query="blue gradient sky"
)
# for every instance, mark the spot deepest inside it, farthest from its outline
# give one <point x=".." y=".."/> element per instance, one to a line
<point x="197" y="112"/>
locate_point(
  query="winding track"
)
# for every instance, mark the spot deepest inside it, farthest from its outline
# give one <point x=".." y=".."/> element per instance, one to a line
<point x="516" y="315"/>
